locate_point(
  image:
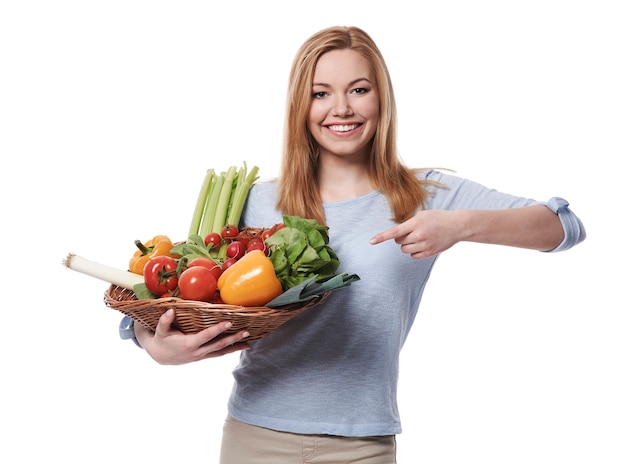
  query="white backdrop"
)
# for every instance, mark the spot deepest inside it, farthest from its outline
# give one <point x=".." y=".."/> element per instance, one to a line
<point x="110" y="112"/>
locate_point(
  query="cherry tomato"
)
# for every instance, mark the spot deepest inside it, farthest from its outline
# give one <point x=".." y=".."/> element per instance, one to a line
<point x="278" y="226"/>
<point x="267" y="233"/>
<point x="197" y="283"/>
<point x="254" y="240"/>
<point x="245" y="238"/>
<point x="214" y="239"/>
<point x="258" y="245"/>
<point x="160" y="274"/>
<point x="235" y="250"/>
<point x="211" y="265"/>
<point x="228" y="263"/>
<point x="230" y="231"/>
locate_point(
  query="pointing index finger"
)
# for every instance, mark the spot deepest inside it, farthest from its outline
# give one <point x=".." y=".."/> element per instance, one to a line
<point x="388" y="234"/>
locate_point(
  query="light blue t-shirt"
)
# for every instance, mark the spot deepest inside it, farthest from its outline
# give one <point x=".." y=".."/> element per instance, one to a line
<point x="334" y="368"/>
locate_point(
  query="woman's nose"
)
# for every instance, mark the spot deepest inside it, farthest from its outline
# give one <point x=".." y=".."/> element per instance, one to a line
<point x="342" y="107"/>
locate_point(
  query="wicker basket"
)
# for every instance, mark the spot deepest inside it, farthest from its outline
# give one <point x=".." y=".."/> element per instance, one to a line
<point x="194" y="316"/>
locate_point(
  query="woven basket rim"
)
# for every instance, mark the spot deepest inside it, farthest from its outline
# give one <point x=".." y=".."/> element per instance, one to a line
<point x="194" y="316"/>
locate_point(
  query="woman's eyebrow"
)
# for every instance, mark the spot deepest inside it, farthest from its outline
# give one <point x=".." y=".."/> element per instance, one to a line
<point x="351" y="83"/>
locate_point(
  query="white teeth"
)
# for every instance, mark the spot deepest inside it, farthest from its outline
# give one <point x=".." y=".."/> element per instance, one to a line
<point x="343" y="128"/>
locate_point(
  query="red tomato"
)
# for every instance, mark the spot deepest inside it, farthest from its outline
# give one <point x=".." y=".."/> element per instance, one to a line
<point x="267" y="233"/>
<point x="235" y="250"/>
<point x="256" y="239"/>
<point x="197" y="283"/>
<point x="214" y="239"/>
<point x="211" y="265"/>
<point x="245" y="238"/>
<point x="230" y="231"/>
<point x="258" y="245"/>
<point x="278" y="226"/>
<point x="160" y="274"/>
<point x="228" y="263"/>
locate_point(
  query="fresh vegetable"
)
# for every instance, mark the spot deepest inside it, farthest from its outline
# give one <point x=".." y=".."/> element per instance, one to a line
<point x="211" y="265"/>
<point x="160" y="275"/>
<point x="221" y="199"/>
<point x="213" y="240"/>
<point x="208" y="184"/>
<point x="249" y="266"/>
<point x="197" y="283"/>
<point x="230" y="232"/>
<point x="251" y="281"/>
<point x="193" y="248"/>
<point x="245" y="236"/>
<point x="235" y="250"/>
<point x="245" y="180"/>
<point x="160" y="245"/>
<point x="257" y="245"/>
<point x="103" y="272"/>
<point x="228" y="262"/>
<point x="267" y="234"/>
<point x="220" y="203"/>
<point x="299" y="250"/>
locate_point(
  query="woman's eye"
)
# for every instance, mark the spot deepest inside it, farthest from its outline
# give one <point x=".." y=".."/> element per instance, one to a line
<point x="319" y="94"/>
<point x="360" y="90"/>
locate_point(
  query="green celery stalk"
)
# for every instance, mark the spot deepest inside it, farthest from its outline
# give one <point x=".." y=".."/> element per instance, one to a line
<point x="210" y="206"/>
<point x="219" y="214"/>
<point x="205" y="189"/>
<point x="241" y="177"/>
<point x="221" y="200"/>
<point x="241" y="194"/>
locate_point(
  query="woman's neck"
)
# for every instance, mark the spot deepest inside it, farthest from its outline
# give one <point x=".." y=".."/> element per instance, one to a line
<point x="342" y="179"/>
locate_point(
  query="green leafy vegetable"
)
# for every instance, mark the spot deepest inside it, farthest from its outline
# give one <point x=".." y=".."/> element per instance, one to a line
<point x="194" y="247"/>
<point x="300" y="251"/>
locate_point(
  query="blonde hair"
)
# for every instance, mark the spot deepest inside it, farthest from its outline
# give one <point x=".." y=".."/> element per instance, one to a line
<point x="298" y="189"/>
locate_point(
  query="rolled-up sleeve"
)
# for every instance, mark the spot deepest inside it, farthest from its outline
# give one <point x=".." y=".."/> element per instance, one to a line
<point x="127" y="330"/>
<point x="573" y="228"/>
<point x="460" y="193"/>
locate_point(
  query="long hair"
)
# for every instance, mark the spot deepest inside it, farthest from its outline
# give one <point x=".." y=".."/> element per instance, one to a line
<point x="298" y="188"/>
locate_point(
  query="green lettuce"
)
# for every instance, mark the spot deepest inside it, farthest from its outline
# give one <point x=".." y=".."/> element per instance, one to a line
<point x="300" y="251"/>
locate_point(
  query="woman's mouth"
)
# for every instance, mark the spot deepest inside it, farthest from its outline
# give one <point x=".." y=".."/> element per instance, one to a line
<point x="342" y="127"/>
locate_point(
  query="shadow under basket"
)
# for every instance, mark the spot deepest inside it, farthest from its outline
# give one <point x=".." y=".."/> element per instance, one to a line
<point x="194" y="316"/>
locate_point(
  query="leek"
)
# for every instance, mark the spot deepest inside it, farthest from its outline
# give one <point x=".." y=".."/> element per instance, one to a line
<point x="103" y="272"/>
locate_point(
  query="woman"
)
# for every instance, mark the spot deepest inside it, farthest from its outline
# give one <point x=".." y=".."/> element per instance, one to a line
<point x="322" y="388"/>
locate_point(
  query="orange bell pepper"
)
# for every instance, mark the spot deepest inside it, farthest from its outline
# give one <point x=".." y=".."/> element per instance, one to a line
<point x="160" y="245"/>
<point x="251" y="281"/>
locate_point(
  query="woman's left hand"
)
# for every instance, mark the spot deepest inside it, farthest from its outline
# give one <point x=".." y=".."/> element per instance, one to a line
<point x="424" y="235"/>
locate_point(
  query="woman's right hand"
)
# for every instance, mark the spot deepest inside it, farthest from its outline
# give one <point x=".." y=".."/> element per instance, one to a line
<point x="167" y="345"/>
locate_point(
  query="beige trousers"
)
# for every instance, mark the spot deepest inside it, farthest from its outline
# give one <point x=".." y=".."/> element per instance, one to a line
<point x="248" y="444"/>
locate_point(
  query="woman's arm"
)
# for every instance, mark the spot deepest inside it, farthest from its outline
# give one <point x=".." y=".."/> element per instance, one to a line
<point x="534" y="227"/>
<point x="537" y="227"/>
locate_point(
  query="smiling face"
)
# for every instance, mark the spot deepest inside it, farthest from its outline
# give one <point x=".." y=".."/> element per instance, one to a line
<point x="344" y="109"/>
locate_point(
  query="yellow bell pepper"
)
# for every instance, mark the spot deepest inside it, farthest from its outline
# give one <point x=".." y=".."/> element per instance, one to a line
<point x="160" y="245"/>
<point x="251" y="281"/>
